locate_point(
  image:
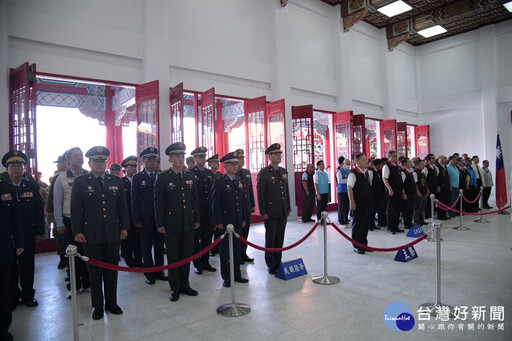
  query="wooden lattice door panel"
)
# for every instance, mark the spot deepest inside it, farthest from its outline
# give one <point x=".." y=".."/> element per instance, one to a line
<point x="387" y="136"/>
<point x="276" y="129"/>
<point x="146" y="98"/>
<point x="343" y="134"/>
<point x="176" y="102"/>
<point x="359" y="135"/>
<point x="401" y="139"/>
<point x="302" y="145"/>
<point x="422" y="142"/>
<point x="206" y="129"/>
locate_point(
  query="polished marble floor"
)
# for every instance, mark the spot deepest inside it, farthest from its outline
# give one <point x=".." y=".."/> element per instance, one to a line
<point x="476" y="271"/>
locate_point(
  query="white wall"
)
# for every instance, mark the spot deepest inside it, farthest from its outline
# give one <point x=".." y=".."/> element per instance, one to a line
<point x="250" y="48"/>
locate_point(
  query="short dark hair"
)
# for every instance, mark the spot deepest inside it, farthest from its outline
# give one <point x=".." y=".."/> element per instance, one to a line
<point x="417" y="161"/>
<point x="384" y="160"/>
<point x="319" y="162"/>
<point x="376" y="162"/>
<point x="69" y="152"/>
<point x="475" y="156"/>
<point x="358" y="156"/>
<point x="404" y="161"/>
<point x="391" y="152"/>
<point x="485" y="161"/>
<point x="341" y="159"/>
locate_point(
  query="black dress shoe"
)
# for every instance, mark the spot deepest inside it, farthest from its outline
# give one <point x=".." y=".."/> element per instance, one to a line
<point x="210" y="268"/>
<point x="242" y="262"/>
<point x="241" y="280"/>
<point x="198" y="271"/>
<point x="226" y="283"/>
<point x="399" y="231"/>
<point x="32" y="302"/>
<point x="174" y="296"/>
<point x="359" y="251"/>
<point x="391" y="232"/>
<point x="150" y="281"/>
<point x="310" y="220"/>
<point x="66" y="279"/>
<point x="367" y="250"/>
<point x="189" y="291"/>
<point x="407" y="227"/>
<point x="162" y="277"/>
<point x="272" y="271"/>
<point x="376" y="228"/>
<point x="97" y="314"/>
<point x="212" y="253"/>
<point x="62" y="264"/>
<point x="381" y="225"/>
<point x="114" y="309"/>
<point x="246" y="258"/>
<point x="6" y="336"/>
<point x="370" y="230"/>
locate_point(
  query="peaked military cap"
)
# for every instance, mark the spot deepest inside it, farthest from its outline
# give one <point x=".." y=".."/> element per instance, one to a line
<point x="213" y="158"/>
<point x="130" y="160"/>
<point x="14" y="156"/>
<point x="115" y="166"/>
<point x="274" y="148"/>
<point x="60" y="159"/>
<point x="150" y="151"/>
<point x="240" y="152"/>
<point x="98" y="153"/>
<point x="176" y="148"/>
<point x="230" y="157"/>
<point x="199" y="151"/>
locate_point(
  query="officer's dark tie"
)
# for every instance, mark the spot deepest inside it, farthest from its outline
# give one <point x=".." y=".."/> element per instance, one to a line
<point x="367" y="176"/>
<point x="179" y="177"/>
<point x="100" y="181"/>
<point x="152" y="177"/>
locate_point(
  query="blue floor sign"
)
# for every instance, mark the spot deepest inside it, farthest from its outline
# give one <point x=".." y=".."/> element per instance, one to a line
<point x="406" y="255"/>
<point x="291" y="269"/>
<point x="415" y="232"/>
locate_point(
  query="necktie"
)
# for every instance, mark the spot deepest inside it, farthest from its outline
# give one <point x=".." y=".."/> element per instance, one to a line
<point x="100" y="181"/>
<point x="367" y="176"/>
<point x="179" y="177"/>
<point x="152" y="177"/>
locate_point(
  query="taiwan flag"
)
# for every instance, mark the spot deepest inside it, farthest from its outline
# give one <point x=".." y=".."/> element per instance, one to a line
<point x="501" y="185"/>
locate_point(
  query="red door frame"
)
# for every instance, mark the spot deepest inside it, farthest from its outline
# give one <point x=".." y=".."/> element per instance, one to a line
<point x="401" y="128"/>
<point x="419" y="130"/>
<point x="207" y="120"/>
<point x="276" y="108"/>
<point x="359" y="121"/>
<point x="387" y="125"/>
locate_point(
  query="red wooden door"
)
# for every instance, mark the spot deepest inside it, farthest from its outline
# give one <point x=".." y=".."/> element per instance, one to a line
<point x="206" y="129"/>
<point x="302" y="146"/>
<point x="401" y="139"/>
<point x="276" y="131"/>
<point x="387" y="136"/>
<point x="255" y="142"/>
<point x="422" y="141"/>
<point x="359" y="135"/>
<point x="343" y="134"/>
<point x="176" y="101"/>
<point x="23" y="114"/>
<point x="146" y="98"/>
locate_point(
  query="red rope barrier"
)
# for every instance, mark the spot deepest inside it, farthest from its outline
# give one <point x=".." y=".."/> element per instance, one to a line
<point x="245" y="241"/>
<point x="453" y="205"/>
<point x="380" y="249"/>
<point x="472" y="202"/>
<point x="153" y="269"/>
<point x="447" y="208"/>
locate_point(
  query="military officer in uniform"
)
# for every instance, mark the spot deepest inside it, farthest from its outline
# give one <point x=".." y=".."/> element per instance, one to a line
<point x="274" y="204"/>
<point x="143" y="210"/>
<point x="99" y="219"/>
<point x="177" y="215"/>
<point x="244" y="176"/>
<point x="32" y="225"/>
<point x="203" y="234"/>
<point x="11" y="246"/>
<point x="213" y="163"/>
<point x="229" y="208"/>
<point x="130" y="247"/>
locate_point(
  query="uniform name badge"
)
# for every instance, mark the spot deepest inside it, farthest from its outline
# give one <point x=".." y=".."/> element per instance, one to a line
<point x="113" y="188"/>
<point x="189" y="182"/>
<point x="171" y="185"/>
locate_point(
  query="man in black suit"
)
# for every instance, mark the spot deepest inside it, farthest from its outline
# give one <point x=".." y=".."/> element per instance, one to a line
<point x="32" y="223"/>
<point x="11" y="246"/>
<point x="228" y="208"/>
<point x="177" y="215"/>
<point x="130" y="247"/>
<point x="274" y="204"/>
<point x="99" y="219"/>
<point x="143" y="210"/>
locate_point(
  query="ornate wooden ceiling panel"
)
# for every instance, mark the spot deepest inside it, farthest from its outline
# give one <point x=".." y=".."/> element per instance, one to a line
<point x="457" y="16"/>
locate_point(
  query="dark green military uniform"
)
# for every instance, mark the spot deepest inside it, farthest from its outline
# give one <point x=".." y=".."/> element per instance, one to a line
<point x="245" y="177"/>
<point x="99" y="211"/>
<point x="177" y="209"/>
<point x="273" y="200"/>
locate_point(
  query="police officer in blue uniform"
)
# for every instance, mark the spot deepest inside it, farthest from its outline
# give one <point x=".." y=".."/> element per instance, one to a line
<point x="177" y="215"/>
<point x="202" y="235"/>
<point x="99" y="219"/>
<point x="130" y="247"/>
<point x="11" y="246"/>
<point x="274" y="204"/>
<point x="32" y="224"/>
<point x="143" y="210"/>
<point x="228" y="208"/>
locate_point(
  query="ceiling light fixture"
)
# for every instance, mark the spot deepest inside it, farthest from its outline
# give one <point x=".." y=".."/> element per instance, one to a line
<point x="432" y="31"/>
<point x="508" y="6"/>
<point x="395" y="8"/>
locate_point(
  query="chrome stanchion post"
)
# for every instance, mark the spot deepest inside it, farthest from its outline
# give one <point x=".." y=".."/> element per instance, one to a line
<point x="432" y="237"/>
<point x="232" y="309"/>
<point x="325" y="279"/>
<point x="460" y="227"/>
<point x="71" y="252"/>
<point x="481" y="220"/>
<point x="438" y="307"/>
